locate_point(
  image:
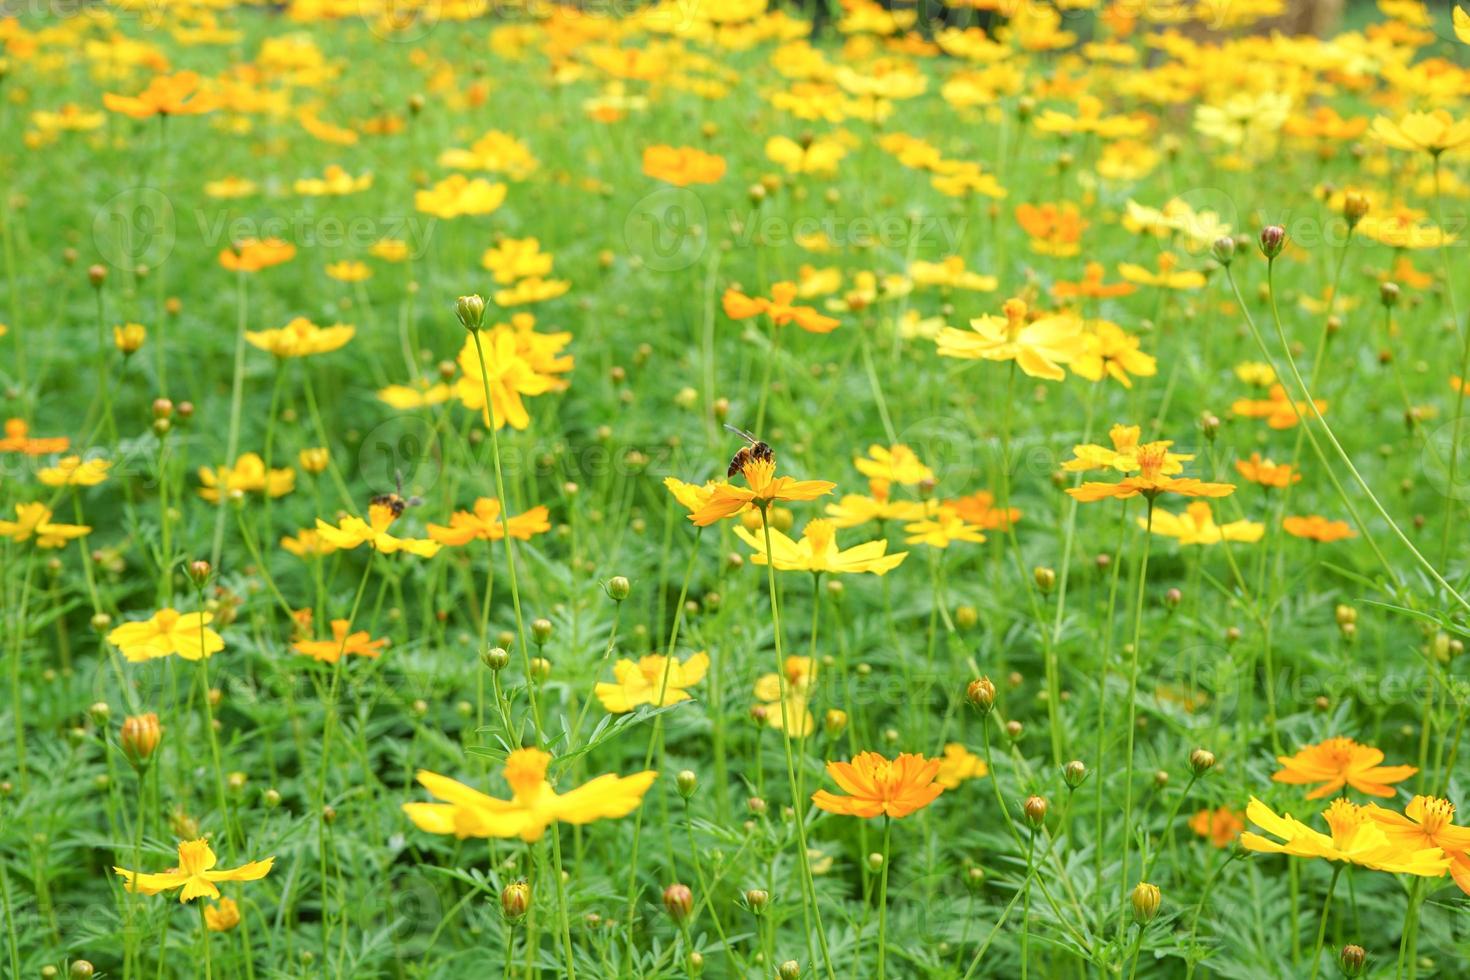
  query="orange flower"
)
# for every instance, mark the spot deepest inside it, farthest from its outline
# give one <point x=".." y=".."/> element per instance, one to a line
<point x="1267" y="473"/>
<point x="1429" y="822"/>
<point x="1318" y="528"/>
<point x="1279" y="411"/>
<point x="878" y="787"/>
<point x="764" y="487"/>
<point x="166" y="95"/>
<point x="1092" y="285"/>
<point x="1220" y="827"/>
<point x="779" y="308"/>
<point x="17" y="439"/>
<point x="1054" y="229"/>
<point x="682" y="165"/>
<point x="979" y="510"/>
<point x="253" y="255"/>
<point x="484" y="522"/>
<point x="330" y="651"/>
<point x="1151" y="481"/>
<point x="1340" y="762"/>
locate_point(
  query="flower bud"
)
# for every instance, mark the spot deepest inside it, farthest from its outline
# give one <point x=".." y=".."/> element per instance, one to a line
<point x="1352" y="959"/>
<point x="515" y="900"/>
<point x="757" y="899"/>
<point x="1201" y="761"/>
<point x="199" y="573"/>
<point x="541" y="631"/>
<point x="1354" y="207"/>
<point x="981" y="693"/>
<point x="790" y="970"/>
<point x="314" y="460"/>
<point x="1046" y="578"/>
<point x="679" y="902"/>
<point x="1035" y="809"/>
<point x="1209" y="425"/>
<point x="540" y="668"/>
<point x="471" y="311"/>
<point x="97" y="275"/>
<point x="1388" y="294"/>
<point x="618" y="588"/>
<point x="1272" y="240"/>
<point x="99" y="712"/>
<point x="1145" y="900"/>
<point x="1223" y="249"/>
<point x="965" y="617"/>
<point x="687" y="781"/>
<point x="834" y="721"/>
<point x="81" y="970"/>
<point x="496" y="658"/>
<point x="139" y="738"/>
<point x="1073" y="773"/>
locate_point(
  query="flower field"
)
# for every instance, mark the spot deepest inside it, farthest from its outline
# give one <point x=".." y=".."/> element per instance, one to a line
<point x="847" y="490"/>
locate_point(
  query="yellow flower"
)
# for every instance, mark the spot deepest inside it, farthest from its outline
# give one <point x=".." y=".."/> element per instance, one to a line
<point x="458" y="195"/>
<point x="353" y="531"/>
<point x="307" y="543"/>
<point x="34" y="520"/>
<point x="1279" y="411"/>
<point x="254" y="255"/>
<point x="18" y="439"/>
<point x="510" y="376"/>
<point x="1107" y="349"/>
<point x="406" y="396"/>
<point x="1167" y="277"/>
<point x="1256" y="373"/>
<point x="300" y="338"/>
<point x="517" y="258"/>
<point x="314" y="459"/>
<point x="854" y="508"/>
<point x="1355" y="838"/>
<point x="248" y="475"/>
<point x="230" y="187"/>
<point x="763" y="487"/>
<point x="195" y="873"/>
<point x="495" y="152"/>
<point x="166" y="632"/>
<point x="1431" y="132"/>
<point x="129" y="337"/>
<point x="1340" y="762"/>
<point x="893" y="464"/>
<point x="349" y="271"/>
<point x="818" y="552"/>
<point x="73" y="471"/>
<point x="342" y="643"/>
<point x="484" y="524"/>
<point x="1123" y="456"/>
<point x="534" y="804"/>
<point x="1266" y="472"/>
<point x="801" y="685"/>
<point x="335" y="182"/>
<point x="683" y="165"/>
<point x="389" y="250"/>
<point x="879" y="787"/>
<point x="951" y="274"/>
<point x="1197" y="526"/>
<point x="1039" y="348"/>
<point x="810" y="156"/>
<point x="222" y="916"/>
<point x="643" y="681"/>
<point x="1429" y="822"/>
<point x="941" y="528"/>
<point x="1152" y="480"/>
<point x="958" y="765"/>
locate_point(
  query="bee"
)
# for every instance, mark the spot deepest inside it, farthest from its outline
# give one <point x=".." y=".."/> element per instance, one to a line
<point x="756" y="451"/>
<point x="395" y="500"/>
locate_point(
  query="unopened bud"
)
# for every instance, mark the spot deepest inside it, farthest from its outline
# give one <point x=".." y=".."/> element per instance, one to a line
<point x="471" y="311"/>
<point x="1272" y="240"/>
<point x="1145" y="901"/>
<point x="981" y="693"/>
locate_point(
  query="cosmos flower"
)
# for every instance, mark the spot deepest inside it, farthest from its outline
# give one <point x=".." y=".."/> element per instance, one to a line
<point x="248" y="475"/>
<point x="1431" y="132"/>
<point x="1318" y="528"/>
<point x="1267" y="473"/>
<point x="484" y="523"/>
<point x="958" y="765"/>
<point x="893" y="464"/>
<point x="166" y="95"/>
<point x="1355" y="838"/>
<point x="1111" y="351"/>
<point x="301" y="338"/>
<point x="457" y="195"/>
<point x="1091" y="285"/>
<point x="801" y="687"/>
<point x="1429" y="822"/>
<point x="307" y="543"/>
<point x="1038" y="347"/>
<point x="979" y="509"/>
<point x="1279" y="411"/>
<point x="534" y="804"/>
<point x="877" y="505"/>
<point x="780" y="307"/>
<point x="682" y="165"/>
<point x="73" y="471"/>
<point x="1340" y="762"/>
<point x="18" y="439"/>
<point x="349" y="271"/>
<point x="817" y="551"/>
<point x="1220" y="826"/>
<point x="33" y="520"/>
<point x="1054" y="229"/>
<point x="941" y="528"/>
<point x="334" y="182"/>
<point x="222" y="916"/>
<point x="876" y="786"/>
<point x="255" y="255"/>
<point x="341" y="644"/>
<point x="352" y="531"/>
<point x="1151" y="481"/>
<point x="1197" y="526"/>
<point x="1168" y="277"/>
<point x="763" y="487"/>
<point x="195" y="873"/>
<point x="810" y="156"/>
<point x="128" y="338"/>
<point x="517" y="258"/>
<point x="642" y="681"/>
<point x="166" y="632"/>
<point x="510" y="377"/>
<point x="1122" y="455"/>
